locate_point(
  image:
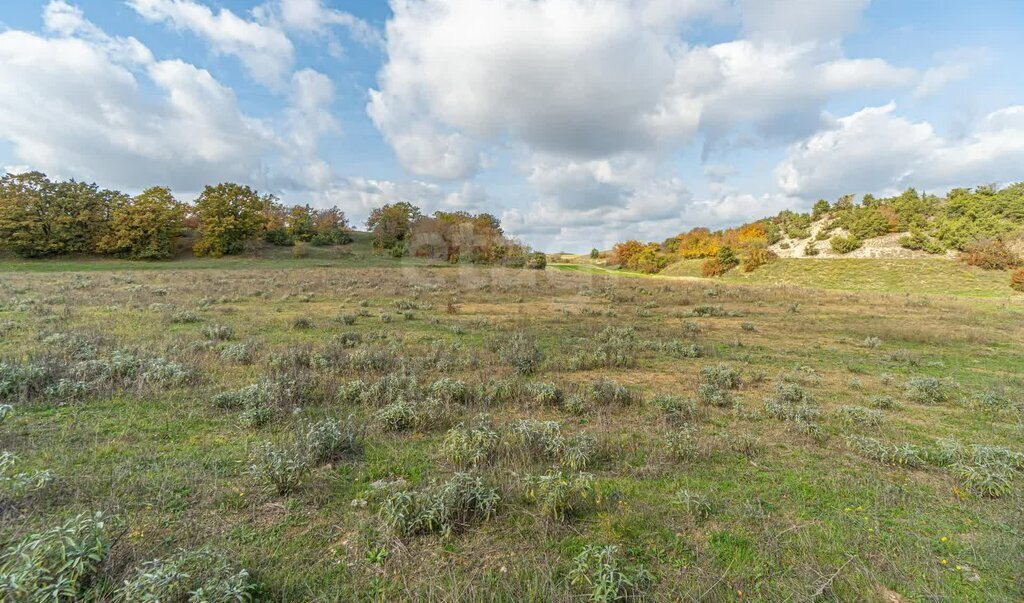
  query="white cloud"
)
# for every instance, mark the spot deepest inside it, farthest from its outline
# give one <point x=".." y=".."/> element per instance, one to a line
<point x="266" y="52"/>
<point x="952" y="66"/>
<point x="75" y="105"/>
<point x="801" y="20"/>
<point x="309" y="119"/>
<point x="359" y="196"/>
<point x="592" y="81"/>
<point x="311" y="16"/>
<point x="875" y="150"/>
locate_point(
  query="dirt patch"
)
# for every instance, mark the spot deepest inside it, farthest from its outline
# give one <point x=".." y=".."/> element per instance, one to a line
<point x="886" y="247"/>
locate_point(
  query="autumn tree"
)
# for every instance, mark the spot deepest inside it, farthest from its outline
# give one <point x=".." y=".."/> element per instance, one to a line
<point x="698" y="243"/>
<point x="390" y="226"/>
<point x="623" y="253"/>
<point x="144" y="227"/>
<point x="230" y="216"/>
<point x="40" y="218"/>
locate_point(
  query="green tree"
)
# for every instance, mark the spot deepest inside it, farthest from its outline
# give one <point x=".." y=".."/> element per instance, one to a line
<point x="145" y="227"/>
<point x="230" y="216"/>
<point x="390" y="225"/>
<point x="40" y="218"/>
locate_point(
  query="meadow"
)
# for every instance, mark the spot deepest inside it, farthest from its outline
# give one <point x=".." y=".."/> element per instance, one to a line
<point x="348" y="428"/>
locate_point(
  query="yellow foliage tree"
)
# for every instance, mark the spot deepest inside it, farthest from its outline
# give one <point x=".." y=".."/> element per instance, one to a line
<point x="144" y="227"/>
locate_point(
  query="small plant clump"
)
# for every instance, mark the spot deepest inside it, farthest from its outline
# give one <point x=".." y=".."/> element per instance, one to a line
<point x="201" y="575"/>
<point x="444" y="509"/>
<point x="57" y="564"/>
<point x="602" y="573"/>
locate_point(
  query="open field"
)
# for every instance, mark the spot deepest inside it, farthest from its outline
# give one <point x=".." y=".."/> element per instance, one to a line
<point x="732" y="442"/>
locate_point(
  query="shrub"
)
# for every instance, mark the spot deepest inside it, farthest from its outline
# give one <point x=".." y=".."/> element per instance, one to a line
<point x="537" y="261"/>
<point x="242" y="353"/>
<point x="844" y="245"/>
<point x="757" y="257"/>
<point x="55" y="565"/>
<point x="470" y="447"/>
<point x="218" y="332"/>
<point x="419" y="415"/>
<point x="283" y="469"/>
<point x="329" y="440"/>
<point x="579" y="451"/>
<point x="676" y="410"/>
<point x="521" y="352"/>
<point x="186" y="317"/>
<point x="443" y="509"/>
<point x="858" y="415"/>
<point x="534" y="439"/>
<point x="929" y="390"/>
<point x="990" y="255"/>
<point x="6" y="410"/>
<point x="722" y="375"/>
<point x="682" y="443"/>
<point x="608" y="392"/>
<point x="1017" y="280"/>
<point x="198" y="576"/>
<point x="712" y="267"/>
<point x="559" y="496"/>
<point x="545" y="394"/>
<point x="601" y="572"/>
<point x="302" y="323"/>
<point x="253" y="395"/>
<point x="256" y="415"/>
<point x="449" y="391"/>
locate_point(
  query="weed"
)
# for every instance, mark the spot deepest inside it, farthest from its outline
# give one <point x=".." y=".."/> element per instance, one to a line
<point x="282" y="469"/>
<point x="198" y="576"/>
<point x="439" y="509"/>
<point x="57" y="564"/>
<point x="601" y="572"/>
<point x="561" y="497"/>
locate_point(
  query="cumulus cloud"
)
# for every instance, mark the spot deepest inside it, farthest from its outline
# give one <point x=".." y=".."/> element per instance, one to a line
<point x="586" y="81"/>
<point x="360" y="195"/>
<point x="311" y="16"/>
<point x="73" y="104"/>
<point x="875" y="150"/>
<point x="266" y="52"/>
<point x="309" y="119"/>
<point x="801" y="20"/>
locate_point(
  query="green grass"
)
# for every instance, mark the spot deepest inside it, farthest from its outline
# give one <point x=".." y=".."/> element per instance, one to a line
<point x="939" y="277"/>
<point x="170" y="468"/>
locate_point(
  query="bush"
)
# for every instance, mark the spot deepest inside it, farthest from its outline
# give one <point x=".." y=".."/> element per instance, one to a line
<point x="676" y="410"/>
<point x="442" y="509"/>
<point x="545" y="394"/>
<point x="990" y="255"/>
<point x="712" y="267"/>
<point x="329" y="440"/>
<point x="55" y="565"/>
<point x="521" y="351"/>
<point x="601" y="572"/>
<point x="283" y="469"/>
<point x="470" y="447"/>
<point x="844" y="245"/>
<point x="929" y="390"/>
<point x="197" y="576"/>
<point x="218" y="332"/>
<point x="757" y="257"/>
<point x="559" y="496"/>
<point x="1017" y="280"/>
<point x="537" y="261"/>
<point x="610" y="392"/>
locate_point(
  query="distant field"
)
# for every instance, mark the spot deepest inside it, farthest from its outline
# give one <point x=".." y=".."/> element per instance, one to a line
<point x="940" y="277"/>
<point x="522" y="436"/>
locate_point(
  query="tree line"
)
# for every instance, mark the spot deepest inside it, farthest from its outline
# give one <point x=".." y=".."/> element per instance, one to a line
<point x="401" y="229"/>
<point x="975" y="223"/>
<point x="40" y="217"/>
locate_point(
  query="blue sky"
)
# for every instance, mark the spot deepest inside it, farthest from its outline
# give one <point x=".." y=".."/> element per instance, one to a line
<point x="578" y="122"/>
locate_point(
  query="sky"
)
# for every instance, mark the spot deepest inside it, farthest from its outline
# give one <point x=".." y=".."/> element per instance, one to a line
<point x="578" y="123"/>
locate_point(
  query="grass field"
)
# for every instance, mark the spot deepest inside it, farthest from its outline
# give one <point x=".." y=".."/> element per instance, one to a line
<point x="711" y="441"/>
